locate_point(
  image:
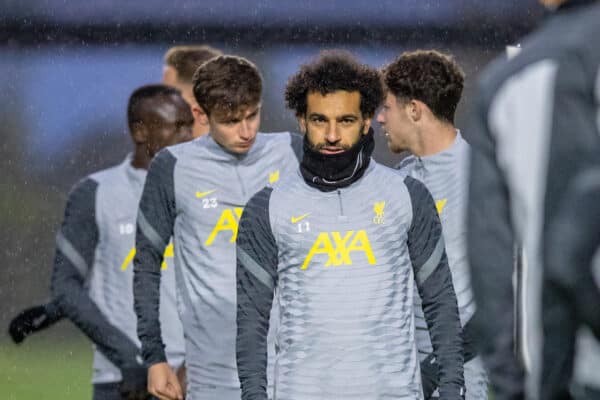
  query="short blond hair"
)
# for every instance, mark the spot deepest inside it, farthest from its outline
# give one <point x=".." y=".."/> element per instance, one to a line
<point x="186" y="59"/>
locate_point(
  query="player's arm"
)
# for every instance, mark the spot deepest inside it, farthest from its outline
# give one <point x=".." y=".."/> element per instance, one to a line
<point x="256" y="280"/>
<point x="434" y="282"/>
<point x="571" y="295"/>
<point x="491" y="241"/>
<point x="75" y="246"/>
<point x="34" y="319"/>
<point x="156" y="217"/>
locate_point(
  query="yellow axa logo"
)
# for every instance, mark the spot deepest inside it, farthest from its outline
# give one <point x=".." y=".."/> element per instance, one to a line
<point x="228" y="222"/>
<point x="273" y="177"/>
<point x="338" y="247"/>
<point x="378" y="208"/>
<point x="440" y="204"/>
<point x="131" y="255"/>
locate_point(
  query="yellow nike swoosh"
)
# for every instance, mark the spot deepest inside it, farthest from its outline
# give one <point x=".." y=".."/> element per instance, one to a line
<point x="300" y="218"/>
<point x="202" y="194"/>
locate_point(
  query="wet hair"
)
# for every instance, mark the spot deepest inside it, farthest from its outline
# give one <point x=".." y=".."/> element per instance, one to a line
<point x="227" y="84"/>
<point x="335" y="70"/>
<point x="187" y="59"/>
<point x="428" y="76"/>
<point x="136" y="108"/>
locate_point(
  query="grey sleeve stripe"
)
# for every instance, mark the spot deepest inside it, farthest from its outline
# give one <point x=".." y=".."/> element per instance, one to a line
<point x="71" y="253"/>
<point x="432" y="262"/>
<point x="256" y="270"/>
<point x="150" y="232"/>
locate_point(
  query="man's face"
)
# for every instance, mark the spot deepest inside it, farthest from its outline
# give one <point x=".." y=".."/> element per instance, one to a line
<point x="236" y="131"/>
<point x="169" y="122"/>
<point x="395" y="119"/>
<point x="333" y="122"/>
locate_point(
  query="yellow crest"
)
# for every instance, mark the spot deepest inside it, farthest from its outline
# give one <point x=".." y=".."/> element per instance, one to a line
<point x="440" y="204"/>
<point x="378" y="208"/>
<point x="273" y="177"/>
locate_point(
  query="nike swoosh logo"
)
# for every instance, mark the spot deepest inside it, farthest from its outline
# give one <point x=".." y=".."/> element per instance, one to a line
<point x="300" y="218"/>
<point x="202" y="194"/>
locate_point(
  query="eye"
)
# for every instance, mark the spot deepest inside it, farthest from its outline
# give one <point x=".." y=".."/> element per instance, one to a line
<point x="317" y="119"/>
<point x="347" y="121"/>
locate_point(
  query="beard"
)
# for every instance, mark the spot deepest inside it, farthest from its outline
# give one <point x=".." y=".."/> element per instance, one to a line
<point x="322" y="145"/>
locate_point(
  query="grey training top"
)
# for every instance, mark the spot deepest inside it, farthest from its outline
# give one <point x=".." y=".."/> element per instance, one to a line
<point x="344" y="264"/>
<point x="445" y="175"/>
<point x="93" y="275"/>
<point x="195" y="192"/>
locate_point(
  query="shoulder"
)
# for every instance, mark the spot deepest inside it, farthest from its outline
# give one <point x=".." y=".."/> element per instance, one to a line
<point x="105" y="176"/>
<point x="164" y="161"/>
<point x="417" y="190"/>
<point x="386" y="174"/>
<point x="277" y="140"/>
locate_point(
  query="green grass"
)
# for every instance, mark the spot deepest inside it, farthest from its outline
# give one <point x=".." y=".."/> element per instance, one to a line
<point x="45" y="367"/>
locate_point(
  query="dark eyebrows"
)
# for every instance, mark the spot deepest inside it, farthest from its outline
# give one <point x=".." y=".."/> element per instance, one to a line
<point x="317" y="115"/>
<point x="348" y="116"/>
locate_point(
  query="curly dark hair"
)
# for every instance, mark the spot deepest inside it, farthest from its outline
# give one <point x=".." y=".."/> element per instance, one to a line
<point x="226" y="84"/>
<point x="335" y="70"/>
<point x="428" y="76"/>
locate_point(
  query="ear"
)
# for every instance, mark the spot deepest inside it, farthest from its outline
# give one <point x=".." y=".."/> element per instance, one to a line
<point x="199" y="114"/>
<point x="415" y="110"/>
<point x="301" y="123"/>
<point x="139" y="133"/>
<point x="367" y="125"/>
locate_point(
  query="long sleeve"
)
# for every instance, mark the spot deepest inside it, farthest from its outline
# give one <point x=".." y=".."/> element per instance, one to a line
<point x="75" y="246"/>
<point x="434" y="282"/>
<point x="571" y="295"/>
<point x="256" y="280"/>
<point x="491" y="243"/>
<point x="156" y="217"/>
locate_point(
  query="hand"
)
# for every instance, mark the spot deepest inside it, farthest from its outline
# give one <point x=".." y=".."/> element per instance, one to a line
<point x="163" y="383"/>
<point x="134" y="385"/>
<point x="28" y="321"/>
<point x="182" y="378"/>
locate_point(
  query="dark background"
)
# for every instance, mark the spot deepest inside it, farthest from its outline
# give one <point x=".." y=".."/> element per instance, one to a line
<point x="68" y="67"/>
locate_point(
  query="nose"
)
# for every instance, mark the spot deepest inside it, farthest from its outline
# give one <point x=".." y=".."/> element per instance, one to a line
<point x="245" y="131"/>
<point x="380" y="117"/>
<point x="332" y="135"/>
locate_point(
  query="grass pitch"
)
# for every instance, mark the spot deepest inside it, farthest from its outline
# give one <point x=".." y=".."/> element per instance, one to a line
<point x="46" y="367"/>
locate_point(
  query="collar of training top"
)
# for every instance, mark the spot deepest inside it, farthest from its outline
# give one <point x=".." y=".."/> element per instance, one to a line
<point x="328" y="172"/>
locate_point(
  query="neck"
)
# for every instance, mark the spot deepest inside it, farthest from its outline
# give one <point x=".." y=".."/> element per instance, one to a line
<point x="141" y="158"/>
<point x="328" y="172"/>
<point x="435" y="139"/>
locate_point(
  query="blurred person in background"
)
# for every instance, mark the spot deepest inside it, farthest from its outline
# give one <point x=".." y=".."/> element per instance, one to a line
<point x="196" y="192"/>
<point x="534" y="127"/>
<point x="340" y="246"/>
<point x="92" y="278"/>
<point x="572" y="280"/>
<point x="423" y="89"/>
<point x="180" y="64"/>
